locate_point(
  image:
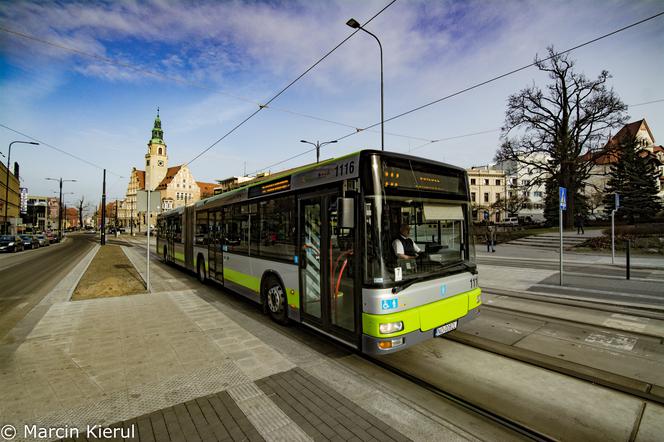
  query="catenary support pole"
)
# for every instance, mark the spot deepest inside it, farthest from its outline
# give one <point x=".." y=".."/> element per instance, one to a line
<point x="60" y="213"/>
<point x="627" y="246"/>
<point x="613" y="236"/>
<point x="147" y="270"/>
<point x="103" y="211"/>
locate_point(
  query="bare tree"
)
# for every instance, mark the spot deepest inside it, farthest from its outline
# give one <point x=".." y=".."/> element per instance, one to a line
<point x="513" y="204"/>
<point x="594" y="201"/>
<point x="568" y="119"/>
<point x="81" y="206"/>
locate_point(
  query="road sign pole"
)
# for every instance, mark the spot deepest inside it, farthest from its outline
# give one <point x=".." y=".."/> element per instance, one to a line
<point x="560" y="218"/>
<point x="562" y="197"/>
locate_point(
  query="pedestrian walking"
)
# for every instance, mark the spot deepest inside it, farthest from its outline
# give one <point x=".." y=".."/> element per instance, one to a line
<point x="490" y="236"/>
<point x="578" y="223"/>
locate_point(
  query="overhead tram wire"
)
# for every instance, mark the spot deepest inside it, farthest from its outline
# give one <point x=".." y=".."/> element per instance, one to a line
<point x="483" y="83"/>
<point x="512" y="72"/>
<point x="43" y="143"/>
<point x="646" y="102"/>
<point x="624" y="28"/>
<point x="498" y="129"/>
<point x="263" y="106"/>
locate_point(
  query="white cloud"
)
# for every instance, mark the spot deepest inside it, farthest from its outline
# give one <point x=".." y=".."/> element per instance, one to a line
<point x="250" y="49"/>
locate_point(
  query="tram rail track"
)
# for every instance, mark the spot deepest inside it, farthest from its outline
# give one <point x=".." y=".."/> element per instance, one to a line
<point x="614" y="381"/>
<point x="518" y="427"/>
<point x="596" y="376"/>
<point x="577" y="323"/>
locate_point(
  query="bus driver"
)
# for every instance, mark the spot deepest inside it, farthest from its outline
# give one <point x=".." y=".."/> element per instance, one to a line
<point x="404" y="247"/>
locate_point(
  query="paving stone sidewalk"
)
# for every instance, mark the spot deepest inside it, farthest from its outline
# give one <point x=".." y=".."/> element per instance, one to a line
<point x="182" y="363"/>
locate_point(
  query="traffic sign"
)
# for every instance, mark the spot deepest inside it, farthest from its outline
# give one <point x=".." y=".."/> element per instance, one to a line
<point x="563" y="198"/>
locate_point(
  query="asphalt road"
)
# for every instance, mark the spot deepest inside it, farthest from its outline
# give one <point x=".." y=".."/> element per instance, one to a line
<point x="26" y="277"/>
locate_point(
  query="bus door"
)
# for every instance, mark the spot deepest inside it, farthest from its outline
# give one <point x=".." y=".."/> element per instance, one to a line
<point x="327" y="261"/>
<point x="215" y="244"/>
<point x="171" y="227"/>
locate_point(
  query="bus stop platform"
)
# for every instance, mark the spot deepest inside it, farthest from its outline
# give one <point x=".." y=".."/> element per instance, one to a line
<point x="193" y="362"/>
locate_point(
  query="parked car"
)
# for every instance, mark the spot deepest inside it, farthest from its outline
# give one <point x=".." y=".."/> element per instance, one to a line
<point x="52" y="237"/>
<point x="30" y="242"/>
<point x="509" y="221"/>
<point x="43" y="240"/>
<point x="11" y="243"/>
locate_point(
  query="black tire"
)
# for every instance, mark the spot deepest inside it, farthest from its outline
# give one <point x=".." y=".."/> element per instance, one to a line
<point x="275" y="300"/>
<point x="200" y="270"/>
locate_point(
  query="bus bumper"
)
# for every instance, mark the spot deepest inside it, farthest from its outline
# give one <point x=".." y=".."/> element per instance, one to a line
<point x="419" y="323"/>
<point x="372" y="345"/>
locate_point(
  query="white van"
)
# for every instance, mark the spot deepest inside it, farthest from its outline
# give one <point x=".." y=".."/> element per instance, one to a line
<point x="509" y="221"/>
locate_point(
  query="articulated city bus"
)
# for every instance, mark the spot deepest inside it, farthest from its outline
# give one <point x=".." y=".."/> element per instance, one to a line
<point x="373" y="249"/>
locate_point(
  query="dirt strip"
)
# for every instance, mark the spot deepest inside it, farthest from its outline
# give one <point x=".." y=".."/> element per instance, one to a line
<point x="110" y="274"/>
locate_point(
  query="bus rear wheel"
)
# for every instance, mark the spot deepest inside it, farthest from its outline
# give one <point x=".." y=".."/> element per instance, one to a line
<point x="275" y="299"/>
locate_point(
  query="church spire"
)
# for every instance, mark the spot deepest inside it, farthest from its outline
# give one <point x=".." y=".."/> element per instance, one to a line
<point x="157" y="132"/>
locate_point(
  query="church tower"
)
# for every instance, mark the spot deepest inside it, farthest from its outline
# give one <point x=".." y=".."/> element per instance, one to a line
<point x="156" y="160"/>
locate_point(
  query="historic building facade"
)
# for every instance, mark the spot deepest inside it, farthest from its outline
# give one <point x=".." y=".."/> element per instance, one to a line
<point x="637" y="131"/>
<point x="173" y="186"/>
<point x="488" y="186"/>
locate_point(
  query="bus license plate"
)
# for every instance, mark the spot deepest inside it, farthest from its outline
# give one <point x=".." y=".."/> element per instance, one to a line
<point x="445" y="329"/>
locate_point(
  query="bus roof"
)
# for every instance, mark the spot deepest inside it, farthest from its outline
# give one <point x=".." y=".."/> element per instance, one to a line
<point x="289" y="172"/>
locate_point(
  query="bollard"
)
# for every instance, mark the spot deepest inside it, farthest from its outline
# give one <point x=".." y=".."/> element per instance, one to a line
<point x="627" y="256"/>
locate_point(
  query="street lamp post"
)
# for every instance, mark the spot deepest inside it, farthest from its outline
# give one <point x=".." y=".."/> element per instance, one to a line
<point x="356" y="25"/>
<point x="60" y="204"/>
<point x="9" y="156"/>
<point x="318" y="145"/>
<point x="62" y="196"/>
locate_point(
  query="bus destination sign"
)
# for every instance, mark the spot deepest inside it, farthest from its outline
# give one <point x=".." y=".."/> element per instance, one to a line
<point x="397" y="177"/>
<point x="281" y="185"/>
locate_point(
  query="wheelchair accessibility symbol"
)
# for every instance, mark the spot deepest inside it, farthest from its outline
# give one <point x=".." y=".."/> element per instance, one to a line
<point x="389" y="304"/>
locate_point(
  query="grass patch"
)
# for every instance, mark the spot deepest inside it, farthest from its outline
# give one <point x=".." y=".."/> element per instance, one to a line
<point x="110" y="274"/>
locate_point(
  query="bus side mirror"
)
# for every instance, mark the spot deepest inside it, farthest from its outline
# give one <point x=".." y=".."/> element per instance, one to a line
<point x="346" y="213"/>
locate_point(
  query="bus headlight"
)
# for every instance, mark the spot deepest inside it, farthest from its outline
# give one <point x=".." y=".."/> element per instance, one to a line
<point x="390" y="327"/>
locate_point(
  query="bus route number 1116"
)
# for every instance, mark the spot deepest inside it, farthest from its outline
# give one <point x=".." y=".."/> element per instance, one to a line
<point x="345" y="169"/>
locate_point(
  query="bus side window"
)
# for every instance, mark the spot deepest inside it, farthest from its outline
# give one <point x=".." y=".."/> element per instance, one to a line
<point x="202" y="234"/>
<point x="277" y="228"/>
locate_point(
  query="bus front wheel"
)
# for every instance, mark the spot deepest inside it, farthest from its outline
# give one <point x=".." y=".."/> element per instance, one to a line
<point x="275" y="298"/>
<point x="200" y="270"/>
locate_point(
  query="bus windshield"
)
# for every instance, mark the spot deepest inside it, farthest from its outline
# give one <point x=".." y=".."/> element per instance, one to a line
<point x="410" y="238"/>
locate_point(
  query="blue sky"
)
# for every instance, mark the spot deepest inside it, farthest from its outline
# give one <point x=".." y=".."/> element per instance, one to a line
<point x="216" y="60"/>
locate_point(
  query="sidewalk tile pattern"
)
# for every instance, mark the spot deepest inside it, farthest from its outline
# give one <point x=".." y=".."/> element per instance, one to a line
<point x="214" y="417"/>
<point x="323" y="413"/>
<point x="288" y="406"/>
<point x="67" y="372"/>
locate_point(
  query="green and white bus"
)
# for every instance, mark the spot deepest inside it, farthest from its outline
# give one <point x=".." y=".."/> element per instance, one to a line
<point x="373" y="249"/>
